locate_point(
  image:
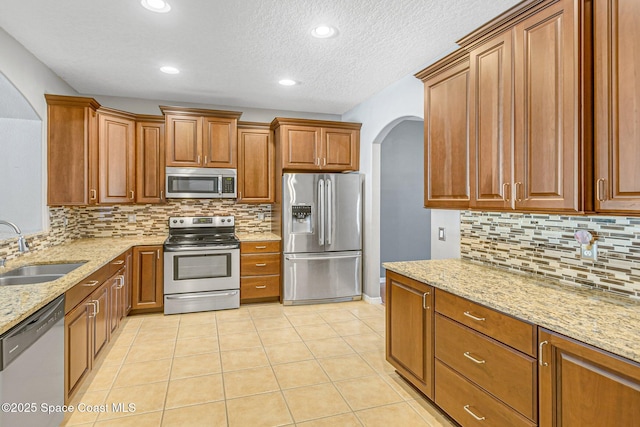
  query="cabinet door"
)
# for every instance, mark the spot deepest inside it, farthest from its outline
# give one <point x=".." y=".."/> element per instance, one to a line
<point x="78" y="333"/>
<point x="340" y="149"/>
<point x="128" y="275"/>
<point x="256" y="166"/>
<point x="184" y="140"/>
<point x="102" y="318"/>
<point x="584" y="386"/>
<point x="446" y="139"/>
<point x="150" y="162"/>
<point x="116" y="298"/>
<point x="116" y="156"/>
<point x="300" y="147"/>
<point x="147" y="277"/>
<point x="220" y="141"/>
<point x="617" y="101"/>
<point x="410" y="337"/>
<point x="546" y="106"/>
<point x="490" y="123"/>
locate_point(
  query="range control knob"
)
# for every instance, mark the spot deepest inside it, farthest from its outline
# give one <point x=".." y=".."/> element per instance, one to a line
<point x="181" y="221"/>
<point x="175" y="221"/>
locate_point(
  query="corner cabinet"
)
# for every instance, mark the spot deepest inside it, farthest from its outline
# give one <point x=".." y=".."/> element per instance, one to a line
<point x="446" y="132"/>
<point x="617" y="101"/>
<point x="116" y="155"/>
<point x="584" y="386"/>
<point x="410" y="330"/>
<point x="147" y="281"/>
<point x="256" y="163"/>
<point x="315" y="145"/>
<point x="201" y="138"/>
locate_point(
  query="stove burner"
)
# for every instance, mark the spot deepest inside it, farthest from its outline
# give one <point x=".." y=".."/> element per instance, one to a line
<point x="193" y="232"/>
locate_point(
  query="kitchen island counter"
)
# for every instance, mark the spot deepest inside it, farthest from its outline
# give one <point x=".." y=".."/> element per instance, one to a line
<point x="602" y="319"/>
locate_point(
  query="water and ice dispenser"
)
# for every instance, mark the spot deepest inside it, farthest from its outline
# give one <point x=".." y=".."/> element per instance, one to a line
<point x="301" y="219"/>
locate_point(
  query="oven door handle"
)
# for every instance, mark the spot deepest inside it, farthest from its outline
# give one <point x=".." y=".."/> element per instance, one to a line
<point x="207" y="295"/>
<point x="202" y="248"/>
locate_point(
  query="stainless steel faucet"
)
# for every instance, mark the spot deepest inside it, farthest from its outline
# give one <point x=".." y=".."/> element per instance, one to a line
<point x="22" y="243"/>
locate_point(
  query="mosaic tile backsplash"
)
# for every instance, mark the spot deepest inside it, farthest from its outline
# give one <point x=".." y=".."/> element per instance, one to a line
<point x="545" y="245"/>
<point x="69" y="223"/>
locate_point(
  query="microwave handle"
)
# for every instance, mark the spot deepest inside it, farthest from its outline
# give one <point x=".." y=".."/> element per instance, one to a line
<point x="220" y="185"/>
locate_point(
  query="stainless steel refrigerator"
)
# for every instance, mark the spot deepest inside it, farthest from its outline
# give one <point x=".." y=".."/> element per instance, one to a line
<point x="322" y="237"/>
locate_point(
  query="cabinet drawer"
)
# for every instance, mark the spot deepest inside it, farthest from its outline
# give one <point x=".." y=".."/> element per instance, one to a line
<point x="259" y="265"/>
<point x="259" y="287"/>
<point x="259" y="247"/>
<point x="507" y="374"/>
<point x="82" y="290"/>
<point x="454" y="393"/>
<point x="512" y="332"/>
<point x="117" y="263"/>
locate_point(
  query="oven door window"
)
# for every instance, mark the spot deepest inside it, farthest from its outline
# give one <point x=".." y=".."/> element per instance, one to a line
<point x="193" y="184"/>
<point x="209" y="266"/>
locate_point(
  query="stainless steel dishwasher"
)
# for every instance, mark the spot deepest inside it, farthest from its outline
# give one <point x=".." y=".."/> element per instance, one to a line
<point x="32" y="375"/>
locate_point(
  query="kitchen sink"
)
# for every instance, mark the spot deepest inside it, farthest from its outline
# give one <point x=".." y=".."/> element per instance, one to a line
<point x="37" y="273"/>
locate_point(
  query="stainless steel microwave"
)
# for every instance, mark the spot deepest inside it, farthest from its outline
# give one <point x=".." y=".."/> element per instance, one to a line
<point x="201" y="183"/>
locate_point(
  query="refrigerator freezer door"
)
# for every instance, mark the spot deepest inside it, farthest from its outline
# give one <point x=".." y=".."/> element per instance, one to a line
<point x="343" y="201"/>
<point x="322" y="277"/>
<point x="301" y="213"/>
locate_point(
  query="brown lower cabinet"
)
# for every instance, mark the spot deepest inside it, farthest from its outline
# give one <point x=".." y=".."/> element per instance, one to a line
<point x="147" y="281"/>
<point x="259" y="270"/>
<point x="583" y="386"/>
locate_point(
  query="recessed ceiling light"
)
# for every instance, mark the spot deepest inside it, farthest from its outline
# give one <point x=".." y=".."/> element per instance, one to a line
<point x="159" y="6"/>
<point x="323" y="32"/>
<point x="169" y="70"/>
<point x="287" y="82"/>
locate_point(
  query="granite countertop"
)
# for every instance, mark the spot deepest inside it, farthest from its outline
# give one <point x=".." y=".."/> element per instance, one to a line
<point x="595" y="317"/>
<point x="17" y="302"/>
<point x="255" y="237"/>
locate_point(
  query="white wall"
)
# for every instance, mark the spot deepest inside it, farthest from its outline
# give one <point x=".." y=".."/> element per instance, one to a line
<point x="379" y="114"/>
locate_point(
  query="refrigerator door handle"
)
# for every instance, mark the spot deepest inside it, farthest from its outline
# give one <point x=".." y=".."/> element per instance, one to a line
<point x="321" y="212"/>
<point x="329" y="212"/>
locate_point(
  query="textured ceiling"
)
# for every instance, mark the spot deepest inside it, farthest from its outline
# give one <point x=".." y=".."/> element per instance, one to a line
<point x="233" y="52"/>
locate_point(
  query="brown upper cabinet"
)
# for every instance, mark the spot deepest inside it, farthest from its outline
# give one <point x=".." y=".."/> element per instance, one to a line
<point x="72" y="150"/>
<point x="201" y="138"/>
<point x="116" y="156"/>
<point x="316" y="145"/>
<point x="446" y="132"/>
<point x="150" y="172"/>
<point x="256" y="163"/>
<point x="617" y="101"/>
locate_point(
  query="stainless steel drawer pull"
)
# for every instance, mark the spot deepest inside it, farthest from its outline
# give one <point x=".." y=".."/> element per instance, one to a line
<point x="424" y="301"/>
<point x="119" y="262"/>
<point x="261" y="247"/>
<point x="91" y="283"/>
<point x="540" y="360"/>
<point x="470" y="357"/>
<point x="479" y="319"/>
<point x="261" y="265"/>
<point x="466" y="408"/>
<point x="93" y="304"/>
<point x="261" y="287"/>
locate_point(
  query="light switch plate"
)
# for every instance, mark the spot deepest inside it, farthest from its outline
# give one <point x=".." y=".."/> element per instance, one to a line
<point x="441" y="234"/>
<point x="132" y="218"/>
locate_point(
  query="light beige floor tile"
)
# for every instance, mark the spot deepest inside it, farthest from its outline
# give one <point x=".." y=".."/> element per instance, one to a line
<point x="150" y="351"/>
<point x="151" y="419"/>
<point x="299" y="374"/>
<point x="377" y="323"/>
<point x="279" y="336"/>
<point x="286" y="353"/>
<point x="292" y="310"/>
<point x="301" y="319"/>
<point x="337" y="316"/>
<point x="316" y="332"/>
<point x="265" y="310"/>
<point x="317" y="401"/>
<point x="239" y="341"/>
<point x="368" y="310"/>
<point x="329" y="347"/>
<point x="402" y="387"/>
<point x="190" y="330"/>
<point x="377" y="360"/>
<point x="346" y="305"/>
<point x="160" y="321"/>
<point x="115" y="356"/>
<point x="209" y="414"/>
<point x="243" y="359"/>
<point x="196" y="345"/>
<point x="367" y="392"/>
<point x="232" y="315"/>
<point x="146" y="398"/>
<point x="262" y="410"/>
<point x="203" y="317"/>
<point x="353" y="327"/>
<point x="344" y="420"/>
<point x="196" y="365"/>
<point x="431" y="414"/>
<point x="399" y="414"/>
<point x="124" y="338"/>
<point x="131" y="324"/>
<point x="248" y="382"/>
<point x="236" y="327"/>
<point x="102" y="378"/>
<point x="194" y="390"/>
<point x="266" y="323"/>
<point x="157" y="334"/>
<point x="344" y="367"/>
<point x="152" y="371"/>
<point x="88" y="399"/>
<point x="365" y="343"/>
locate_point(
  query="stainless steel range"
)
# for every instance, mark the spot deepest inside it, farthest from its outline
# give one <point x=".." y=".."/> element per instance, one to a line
<point x="201" y="265"/>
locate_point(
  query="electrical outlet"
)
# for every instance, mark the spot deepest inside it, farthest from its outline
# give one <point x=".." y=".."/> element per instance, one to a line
<point x="441" y="234"/>
<point x="132" y="218"/>
<point x="589" y="251"/>
<point x="261" y="216"/>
